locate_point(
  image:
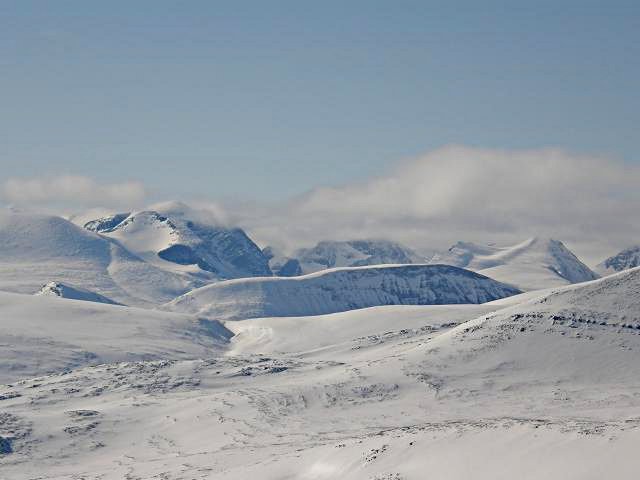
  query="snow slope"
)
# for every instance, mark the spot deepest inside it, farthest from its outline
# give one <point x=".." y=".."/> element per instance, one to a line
<point x="38" y="249"/>
<point x="340" y="289"/>
<point x="174" y="237"/>
<point x="41" y="334"/>
<point x="354" y="253"/>
<point x="626" y="259"/>
<point x="534" y="264"/>
<point x="63" y="290"/>
<point x="547" y="388"/>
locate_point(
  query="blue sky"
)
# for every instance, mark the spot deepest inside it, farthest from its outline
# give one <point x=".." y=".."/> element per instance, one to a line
<point x="265" y="100"/>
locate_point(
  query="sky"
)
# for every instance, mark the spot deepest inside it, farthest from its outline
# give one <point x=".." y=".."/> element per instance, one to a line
<point x="266" y="106"/>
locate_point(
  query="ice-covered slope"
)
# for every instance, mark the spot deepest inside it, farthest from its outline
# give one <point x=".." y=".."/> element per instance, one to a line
<point x="174" y="237"/>
<point x="626" y="259"/>
<point x="64" y="290"/>
<point x="534" y="264"/>
<point x="37" y="249"/>
<point x="341" y="289"/>
<point x="40" y="334"/>
<point x="355" y="253"/>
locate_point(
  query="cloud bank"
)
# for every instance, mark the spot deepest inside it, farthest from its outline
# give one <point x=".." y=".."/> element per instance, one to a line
<point x="483" y="195"/>
<point x="430" y="202"/>
<point x="71" y="191"/>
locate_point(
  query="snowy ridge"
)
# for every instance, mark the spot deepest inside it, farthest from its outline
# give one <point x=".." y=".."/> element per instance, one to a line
<point x="106" y="224"/>
<point x="534" y="264"/>
<point x="63" y="290"/>
<point x="341" y="289"/>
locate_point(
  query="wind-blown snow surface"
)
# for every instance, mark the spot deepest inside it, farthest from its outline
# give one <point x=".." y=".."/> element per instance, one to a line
<point x="548" y="388"/>
<point x="354" y="253"/>
<point x="340" y="289"/>
<point x="626" y="259"/>
<point x="534" y="264"/>
<point x="38" y="249"/>
<point x="41" y="334"/>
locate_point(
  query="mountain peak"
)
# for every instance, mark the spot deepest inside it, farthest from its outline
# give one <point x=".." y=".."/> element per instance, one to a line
<point x="354" y="253"/>
<point x="537" y="262"/>
<point x="624" y="260"/>
<point x="176" y="237"/>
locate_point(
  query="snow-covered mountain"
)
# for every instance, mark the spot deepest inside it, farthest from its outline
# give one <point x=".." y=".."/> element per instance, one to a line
<point x="355" y="253"/>
<point x="173" y="237"/>
<point x="534" y="264"/>
<point x="64" y="290"/>
<point x="626" y="259"/>
<point x="340" y="289"/>
<point x="38" y="249"/>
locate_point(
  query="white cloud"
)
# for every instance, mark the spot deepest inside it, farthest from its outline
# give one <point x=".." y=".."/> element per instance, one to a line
<point x="460" y="193"/>
<point x="450" y="194"/>
<point x="71" y="191"/>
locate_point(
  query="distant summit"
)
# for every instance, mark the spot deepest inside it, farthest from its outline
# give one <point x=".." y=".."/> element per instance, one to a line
<point x="626" y="259"/>
<point x="533" y="264"/>
<point x="177" y="238"/>
<point x="281" y="265"/>
<point x="355" y="253"/>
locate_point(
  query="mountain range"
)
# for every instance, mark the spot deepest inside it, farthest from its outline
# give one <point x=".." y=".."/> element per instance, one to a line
<point x="152" y="256"/>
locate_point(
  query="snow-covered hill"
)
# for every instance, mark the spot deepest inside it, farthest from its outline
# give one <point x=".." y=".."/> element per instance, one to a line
<point x="40" y="335"/>
<point x="38" y="249"/>
<point x="626" y="259"/>
<point x="174" y="237"/>
<point x="341" y="289"/>
<point x="355" y="253"/>
<point x="64" y="290"/>
<point x="534" y="264"/>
